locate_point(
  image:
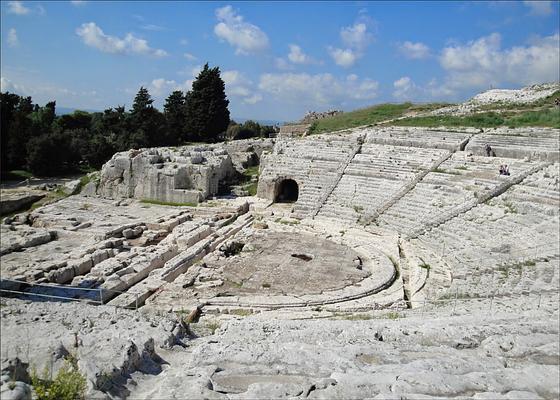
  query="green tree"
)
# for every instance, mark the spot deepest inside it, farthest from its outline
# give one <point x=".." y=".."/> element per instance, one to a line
<point x="142" y="102"/>
<point x="8" y="109"/>
<point x="48" y="154"/>
<point x="174" y="112"/>
<point x="146" y="122"/>
<point x="207" y="114"/>
<point x="20" y="133"/>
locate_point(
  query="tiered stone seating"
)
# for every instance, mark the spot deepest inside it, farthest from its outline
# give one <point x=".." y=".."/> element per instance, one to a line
<point x="539" y="191"/>
<point x="510" y="243"/>
<point x="374" y="176"/>
<point x="456" y="181"/>
<point x="315" y="164"/>
<point x="417" y="137"/>
<point x="542" y="144"/>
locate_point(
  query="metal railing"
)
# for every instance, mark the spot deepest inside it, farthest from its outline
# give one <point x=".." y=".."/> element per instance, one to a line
<point x="99" y="299"/>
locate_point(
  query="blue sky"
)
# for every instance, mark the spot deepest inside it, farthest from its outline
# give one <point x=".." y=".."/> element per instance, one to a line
<point x="278" y="59"/>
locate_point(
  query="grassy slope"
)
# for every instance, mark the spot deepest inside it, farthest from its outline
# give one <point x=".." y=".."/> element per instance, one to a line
<point x="541" y="113"/>
<point x="546" y="118"/>
<point x="369" y="116"/>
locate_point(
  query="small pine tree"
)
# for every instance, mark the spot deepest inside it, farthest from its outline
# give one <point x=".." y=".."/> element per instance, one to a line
<point x="174" y="111"/>
<point x="207" y="114"/>
<point x="146" y="122"/>
<point x="142" y="101"/>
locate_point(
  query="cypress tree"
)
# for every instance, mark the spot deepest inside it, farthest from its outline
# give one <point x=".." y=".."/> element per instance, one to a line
<point x="207" y="114"/>
<point x="174" y="111"/>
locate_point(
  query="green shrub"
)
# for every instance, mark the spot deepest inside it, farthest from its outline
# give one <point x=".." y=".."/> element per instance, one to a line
<point x="69" y="383"/>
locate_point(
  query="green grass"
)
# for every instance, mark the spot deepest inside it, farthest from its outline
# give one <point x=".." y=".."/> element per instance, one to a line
<point x="213" y="326"/>
<point x="353" y="317"/>
<point x="251" y="184"/>
<point x="544" y="118"/>
<point x="167" y="203"/>
<point x="251" y="171"/>
<point x="364" y="116"/>
<point x="241" y="312"/>
<point x="20" y="173"/>
<point x="252" y="188"/>
<point x="547" y="118"/>
<point x="444" y="171"/>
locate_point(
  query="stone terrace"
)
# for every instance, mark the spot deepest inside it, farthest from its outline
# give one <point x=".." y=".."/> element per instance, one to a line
<point x="376" y="175"/>
<point x="535" y="144"/>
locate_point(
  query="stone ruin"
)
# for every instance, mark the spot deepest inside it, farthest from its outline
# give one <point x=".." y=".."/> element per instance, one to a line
<point x="186" y="174"/>
<point x="417" y="267"/>
<point x="311" y="116"/>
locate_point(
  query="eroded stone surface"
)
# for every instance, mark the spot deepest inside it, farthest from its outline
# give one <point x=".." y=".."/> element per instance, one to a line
<point x="405" y="267"/>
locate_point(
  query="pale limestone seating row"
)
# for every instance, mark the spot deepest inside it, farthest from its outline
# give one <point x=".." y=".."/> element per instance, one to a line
<point x="354" y="194"/>
<point x="488" y="194"/>
<point x="417" y="138"/>
<point x="428" y="276"/>
<point x="137" y="294"/>
<point x="534" y="147"/>
<point x="488" y="245"/>
<point x="373" y="177"/>
<point x="314" y="163"/>
<point x="456" y="183"/>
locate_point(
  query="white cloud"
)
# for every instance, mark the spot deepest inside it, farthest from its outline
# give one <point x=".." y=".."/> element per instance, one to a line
<point x="244" y="36"/>
<point x="320" y="90"/>
<point x="17" y="7"/>
<point x="161" y="87"/>
<point x="152" y="27"/>
<point x="343" y="57"/>
<point x="93" y="36"/>
<point x="190" y="57"/>
<point x="482" y="62"/>
<point x="237" y="85"/>
<point x="297" y="56"/>
<point x="282" y="64"/>
<point x="183" y="42"/>
<point x="42" y="92"/>
<point x="78" y="2"/>
<point x="405" y="89"/>
<point x="539" y="8"/>
<point x="414" y="50"/>
<point x="356" y="36"/>
<point x="7" y="85"/>
<point x="253" y="99"/>
<point x="12" y="39"/>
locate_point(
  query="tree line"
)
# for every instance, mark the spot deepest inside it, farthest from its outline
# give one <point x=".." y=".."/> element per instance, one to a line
<point x="34" y="138"/>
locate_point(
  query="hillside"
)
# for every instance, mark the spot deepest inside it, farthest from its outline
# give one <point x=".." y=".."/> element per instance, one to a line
<point x="530" y="106"/>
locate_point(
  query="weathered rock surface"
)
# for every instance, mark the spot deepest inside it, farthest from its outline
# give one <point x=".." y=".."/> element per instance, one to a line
<point x="187" y="174"/>
<point x="109" y="346"/>
<point x="378" y="263"/>
<point x="18" y="199"/>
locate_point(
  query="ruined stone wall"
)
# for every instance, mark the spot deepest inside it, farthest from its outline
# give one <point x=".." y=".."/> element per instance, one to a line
<point x="185" y="174"/>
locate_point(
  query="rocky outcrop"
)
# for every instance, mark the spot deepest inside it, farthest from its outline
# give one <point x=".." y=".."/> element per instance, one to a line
<point x="16" y="200"/>
<point x="186" y="174"/>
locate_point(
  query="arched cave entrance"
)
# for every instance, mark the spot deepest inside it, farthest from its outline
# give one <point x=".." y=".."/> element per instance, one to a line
<point x="287" y="191"/>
